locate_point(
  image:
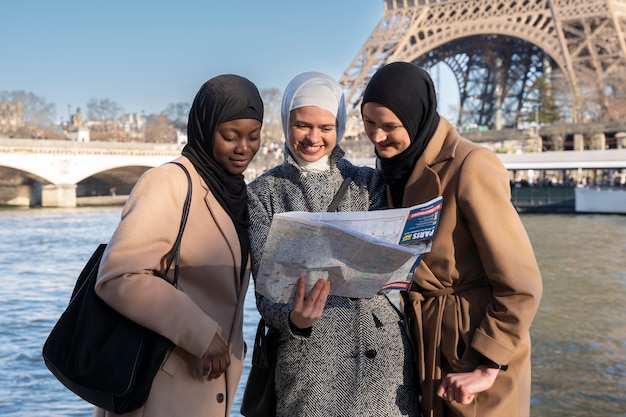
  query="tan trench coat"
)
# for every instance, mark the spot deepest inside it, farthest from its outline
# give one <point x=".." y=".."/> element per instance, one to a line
<point x="210" y="292"/>
<point x="479" y="288"/>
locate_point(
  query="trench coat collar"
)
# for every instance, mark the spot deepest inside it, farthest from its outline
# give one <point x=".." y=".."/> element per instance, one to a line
<point x="424" y="181"/>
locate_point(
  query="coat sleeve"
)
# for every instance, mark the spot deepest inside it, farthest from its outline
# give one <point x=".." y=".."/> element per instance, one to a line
<point x="506" y="254"/>
<point x="261" y="213"/>
<point x="260" y="221"/>
<point x="372" y="181"/>
<point x="146" y="232"/>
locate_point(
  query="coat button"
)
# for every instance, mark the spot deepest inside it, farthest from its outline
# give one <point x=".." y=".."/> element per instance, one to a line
<point x="220" y="398"/>
<point x="371" y="353"/>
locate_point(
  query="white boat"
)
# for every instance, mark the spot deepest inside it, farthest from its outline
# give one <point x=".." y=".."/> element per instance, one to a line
<point x="608" y="200"/>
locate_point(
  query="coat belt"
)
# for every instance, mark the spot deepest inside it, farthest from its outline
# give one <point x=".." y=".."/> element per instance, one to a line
<point x="442" y="294"/>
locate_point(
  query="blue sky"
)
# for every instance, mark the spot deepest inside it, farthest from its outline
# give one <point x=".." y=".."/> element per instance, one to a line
<point x="144" y="55"/>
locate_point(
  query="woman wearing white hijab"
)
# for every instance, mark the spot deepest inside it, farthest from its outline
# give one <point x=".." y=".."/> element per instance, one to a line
<point x="337" y="356"/>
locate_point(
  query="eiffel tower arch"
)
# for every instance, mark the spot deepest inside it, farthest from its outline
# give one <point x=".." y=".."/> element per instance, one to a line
<point x="496" y="49"/>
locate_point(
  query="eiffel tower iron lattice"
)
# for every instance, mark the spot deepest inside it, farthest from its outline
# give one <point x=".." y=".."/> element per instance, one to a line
<point x="496" y="50"/>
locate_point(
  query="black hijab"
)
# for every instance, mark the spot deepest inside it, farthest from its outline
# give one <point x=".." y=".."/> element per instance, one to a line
<point x="221" y="99"/>
<point x="408" y="91"/>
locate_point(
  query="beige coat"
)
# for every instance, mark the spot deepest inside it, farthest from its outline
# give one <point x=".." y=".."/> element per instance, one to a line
<point x="479" y="288"/>
<point x="210" y="294"/>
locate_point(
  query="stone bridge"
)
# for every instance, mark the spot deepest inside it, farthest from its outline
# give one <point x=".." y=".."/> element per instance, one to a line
<point x="53" y="173"/>
<point x="58" y="173"/>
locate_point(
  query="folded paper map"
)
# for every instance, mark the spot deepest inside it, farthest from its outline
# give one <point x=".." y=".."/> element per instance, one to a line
<point x="360" y="253"/>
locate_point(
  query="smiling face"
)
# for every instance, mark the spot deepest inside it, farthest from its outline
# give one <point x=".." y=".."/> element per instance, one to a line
<point x="236" y="144"/>
<point x="385" y="130"/>
<point x="312" y="132"/>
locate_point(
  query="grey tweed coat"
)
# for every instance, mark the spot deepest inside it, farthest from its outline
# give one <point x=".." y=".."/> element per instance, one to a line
<point x="357" y="360"/>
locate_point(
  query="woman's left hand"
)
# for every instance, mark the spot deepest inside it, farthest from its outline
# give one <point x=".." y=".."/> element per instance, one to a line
<point x="217" y="357"/>
<point x="461" y="387"/>
<point x="308" y="310"/>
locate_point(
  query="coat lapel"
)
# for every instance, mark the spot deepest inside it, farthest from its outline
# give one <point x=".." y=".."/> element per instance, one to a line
<point x="227" y="228"/>
<point x="424" y="180"/>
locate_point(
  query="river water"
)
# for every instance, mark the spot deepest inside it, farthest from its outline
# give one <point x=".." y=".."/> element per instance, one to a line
<point x="579" y="334"/>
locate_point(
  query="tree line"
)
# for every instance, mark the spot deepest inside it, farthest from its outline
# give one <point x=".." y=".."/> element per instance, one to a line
<point x="29" y="116"/>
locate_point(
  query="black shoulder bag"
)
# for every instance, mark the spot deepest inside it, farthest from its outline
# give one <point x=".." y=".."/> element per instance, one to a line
<point x="259" y="396"/>
<point x="99" y="354"/>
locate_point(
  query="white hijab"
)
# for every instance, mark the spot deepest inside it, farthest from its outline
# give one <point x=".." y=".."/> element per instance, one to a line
<point x="313" y="89"/>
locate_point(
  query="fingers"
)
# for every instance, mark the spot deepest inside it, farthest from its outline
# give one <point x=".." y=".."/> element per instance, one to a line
<point x="298" y="301"/>
<point x="207" y="368"/>
<point x="317" y="291"/>
<point x="321" y="289"/>
<point x="458" y="395"/>
<point x="450" y="393"/>
<point x="220" y="364"/>
<point x="217" y="365"/>
<point x="317" y="295"/>
<point x="308" y="310"/>
<point x="217" y="357"/>
<point x="454" y="388"/>
<point x="442" y="391"/>
<point x="325" y="293"/>
<point x="467" y="398"/>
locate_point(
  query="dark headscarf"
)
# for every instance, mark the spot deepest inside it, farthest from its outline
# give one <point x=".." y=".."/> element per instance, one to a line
<point x="219" y="100"/>
<point x="408" y="91"/>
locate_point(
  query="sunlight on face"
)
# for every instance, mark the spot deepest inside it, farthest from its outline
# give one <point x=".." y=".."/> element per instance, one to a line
<point x="312" y="132"/>
<point x="385" y="130"/>
<point x="236" y="143"/>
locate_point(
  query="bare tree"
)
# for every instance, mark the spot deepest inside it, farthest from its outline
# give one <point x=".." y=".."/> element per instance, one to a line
<point x="178" y="114"/>
<point x="272" y="125"/>
<point x="617" y="100"/>
<point x="159" y="129"/>
<point x="37" y="116"/>
<point x="36" y="111"/>
<point x="103" y="109"/>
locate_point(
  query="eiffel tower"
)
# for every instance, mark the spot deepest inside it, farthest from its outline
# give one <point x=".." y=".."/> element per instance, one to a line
<point x="496" y="50"/>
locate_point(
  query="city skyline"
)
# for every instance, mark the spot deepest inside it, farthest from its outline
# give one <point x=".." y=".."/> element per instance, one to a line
<point x="146" y="55"/>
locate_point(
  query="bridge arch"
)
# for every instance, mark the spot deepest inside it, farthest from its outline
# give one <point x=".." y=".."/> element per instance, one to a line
<point x="24" y="187"/>
<point x="19" y="187"/>
<point x="61" y="170"/>
<point x="115" y="181"/>
<point x="14" y="174"/>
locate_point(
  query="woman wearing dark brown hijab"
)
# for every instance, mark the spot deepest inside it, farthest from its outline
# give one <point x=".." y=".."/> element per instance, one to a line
<point x="474" y="296"/>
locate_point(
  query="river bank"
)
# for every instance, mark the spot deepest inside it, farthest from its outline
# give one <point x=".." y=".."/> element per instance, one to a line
<point x="579" y="354"/>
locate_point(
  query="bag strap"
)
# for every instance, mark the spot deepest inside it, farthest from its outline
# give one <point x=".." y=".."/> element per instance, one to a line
<point x="175" y="252"/>
<point x="342" y="189"/>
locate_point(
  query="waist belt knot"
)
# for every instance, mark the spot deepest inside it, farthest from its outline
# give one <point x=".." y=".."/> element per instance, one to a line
<point x="434" y="366"/>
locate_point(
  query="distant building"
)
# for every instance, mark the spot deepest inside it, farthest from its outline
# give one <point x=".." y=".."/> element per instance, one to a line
<point x="133" y="122"/>
<point x="11" y="116"/>
<point x="77" y="131"/>
<point x="181" y="137"/>
<point x="133" y="125"/>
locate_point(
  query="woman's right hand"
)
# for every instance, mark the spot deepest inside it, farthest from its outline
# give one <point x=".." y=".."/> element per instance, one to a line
<point x="217" y="357"/>
<point x="308" y="310"/>
<point x="462" y="387"/>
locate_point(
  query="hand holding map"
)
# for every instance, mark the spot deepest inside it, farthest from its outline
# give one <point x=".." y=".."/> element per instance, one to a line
<point x="360" y="253"/>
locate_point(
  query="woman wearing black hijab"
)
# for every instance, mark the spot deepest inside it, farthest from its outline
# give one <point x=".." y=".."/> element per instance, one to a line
<point x="474" y="296"/>
<point x="203" y="316"/>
